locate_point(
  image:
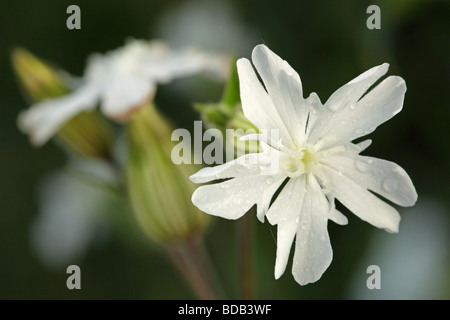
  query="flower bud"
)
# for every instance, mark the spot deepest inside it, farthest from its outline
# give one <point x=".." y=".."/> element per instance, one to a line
<point x="38" y="79"/>
<point x="160" y="191"/>
<point x="87" y="134"/>
<point x="227" y="116"/>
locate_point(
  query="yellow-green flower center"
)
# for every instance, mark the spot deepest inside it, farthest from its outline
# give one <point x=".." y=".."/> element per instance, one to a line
<point x="300" y="161"/>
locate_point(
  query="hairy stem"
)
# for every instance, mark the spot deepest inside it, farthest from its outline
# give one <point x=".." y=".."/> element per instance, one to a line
<point x="245" y="255"/>
<point x="192" y="262"/>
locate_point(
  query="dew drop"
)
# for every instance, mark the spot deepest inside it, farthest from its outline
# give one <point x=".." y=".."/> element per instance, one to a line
<point x="390" y="185"/>
<point x="304" y="224"/>
<point x="270" y="180"/>
<point x="334" y="107"/>
<point x="362" y="165"/>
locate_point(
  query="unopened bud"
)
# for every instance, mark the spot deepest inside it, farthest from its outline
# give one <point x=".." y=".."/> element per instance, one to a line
<point x="160" y="191"/>
<point x="39" y="81"/>
<point x="227" y="115"/>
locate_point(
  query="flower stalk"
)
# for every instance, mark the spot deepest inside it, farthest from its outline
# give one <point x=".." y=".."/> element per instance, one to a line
<point x="191" y="260"/>
<point x="246" y="258"/>
<point x="160" y="193"/>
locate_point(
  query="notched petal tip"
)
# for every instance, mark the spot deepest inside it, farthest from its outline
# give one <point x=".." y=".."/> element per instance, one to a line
<point x="375" y="73"/>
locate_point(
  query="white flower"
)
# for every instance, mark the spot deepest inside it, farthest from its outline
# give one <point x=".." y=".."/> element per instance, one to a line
<point x="73" y="213"/>
<point x="316" y="160"/>
<point x="121" y="80"/>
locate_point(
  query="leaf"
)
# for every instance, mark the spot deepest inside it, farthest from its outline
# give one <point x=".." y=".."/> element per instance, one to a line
<point x="231" y="96"/>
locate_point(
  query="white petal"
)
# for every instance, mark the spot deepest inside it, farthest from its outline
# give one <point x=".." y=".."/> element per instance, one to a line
<point x="266" y="139"/>
<point x="347" y="116"/>
<point x="125" y="93"/>
<point x="337" y="217"/>
<point x="354" y="89"/>
<point x="244" y="165"/>
<point x="273" y="184"/>
<point x="172" y="64"/>
<point x="43" y="120"/>
<point x="360" y="201"/>
<point x="313" y="252"/>
<point x="376" y="107"/>
<point x="256" y="104"/>
<point x="285" y="212"/>
<point x="230" y="199"/>
<point x="131" y="73"/>
<point x="363" y="145"/>
<point x="284" y="87"/>
<point x="380" y="176"/>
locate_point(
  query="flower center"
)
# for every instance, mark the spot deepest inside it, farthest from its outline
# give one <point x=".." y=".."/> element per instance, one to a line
<point x="300" y="161"/>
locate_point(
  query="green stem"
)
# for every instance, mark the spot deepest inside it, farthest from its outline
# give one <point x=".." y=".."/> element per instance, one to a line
<point x="245" y="254"/>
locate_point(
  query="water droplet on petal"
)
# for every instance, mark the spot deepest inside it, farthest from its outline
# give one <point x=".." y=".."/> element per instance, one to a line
<point x="334" y="107"/>
<point x="362" y="165"/>
<point x="304" y="224"/>
<point x="390" y="185"/>
<point x="270" y="180"/>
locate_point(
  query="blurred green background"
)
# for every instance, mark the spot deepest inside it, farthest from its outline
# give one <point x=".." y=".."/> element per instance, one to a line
<point x="328" y="43"/>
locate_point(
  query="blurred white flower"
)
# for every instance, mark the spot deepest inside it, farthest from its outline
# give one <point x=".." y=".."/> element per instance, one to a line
<point x="211" y="24"/>
<point x="315" y="159"/>
<point x="415" y="264"/>
<point x="72" y="214"/>
<point x="121" y="80"/>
